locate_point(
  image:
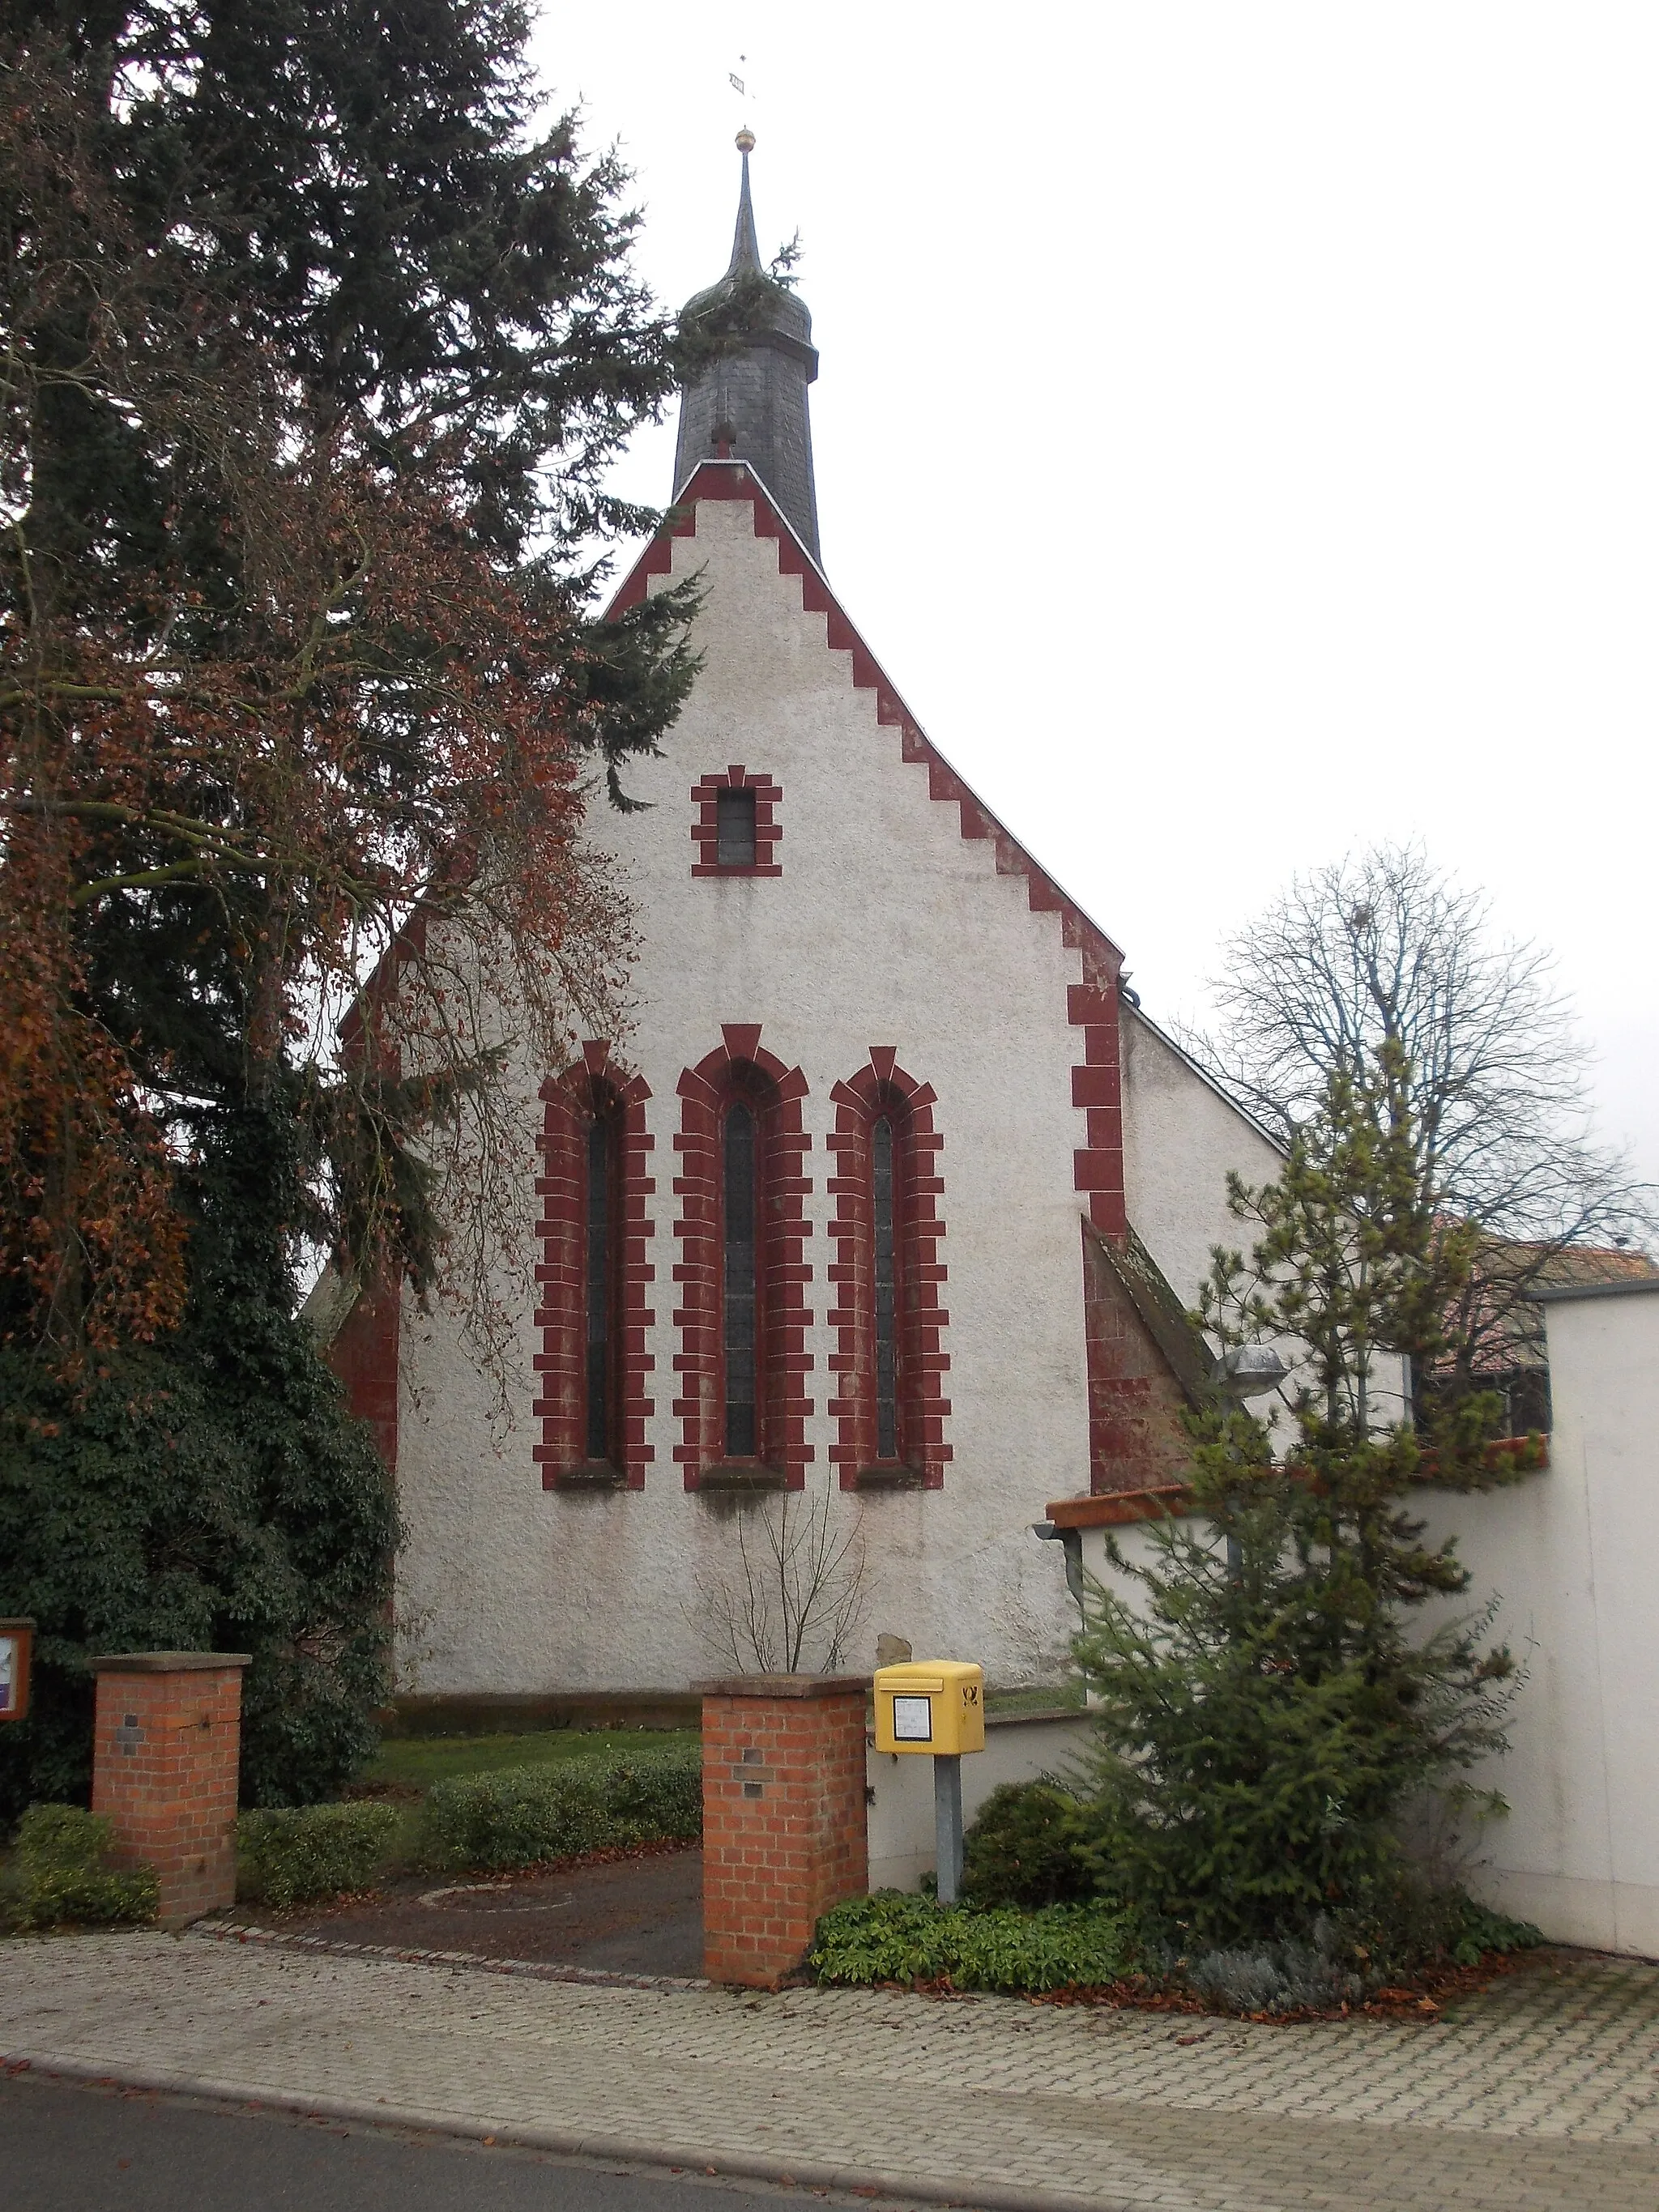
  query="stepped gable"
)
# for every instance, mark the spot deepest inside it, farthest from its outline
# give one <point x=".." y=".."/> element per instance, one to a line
<point x="1091" y="1005"/>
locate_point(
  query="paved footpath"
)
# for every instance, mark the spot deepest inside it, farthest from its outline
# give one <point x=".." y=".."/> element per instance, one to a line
<point x="1541" y="2096"/>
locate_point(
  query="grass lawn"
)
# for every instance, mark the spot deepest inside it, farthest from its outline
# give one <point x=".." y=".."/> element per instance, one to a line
<point x="418" y="1761"/>
<point x="1020" y="1703"/>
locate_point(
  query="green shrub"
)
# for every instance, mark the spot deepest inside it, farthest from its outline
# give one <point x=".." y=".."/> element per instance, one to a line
<point x="1396" y="1928"/>
<point x="57" y="1873"/>
<point x="1479" y="1929"/>
<point x="189" y="1500"/>
<point x="895" y="1937"/>
<point x="291" y="1856"/>
<point x="1023" y="1849"/>
<point x="523" y="1816"/>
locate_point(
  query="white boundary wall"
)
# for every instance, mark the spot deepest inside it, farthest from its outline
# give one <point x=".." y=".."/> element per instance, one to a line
<point x="901" y="1827"/>
<point x="1574" y="1554"/>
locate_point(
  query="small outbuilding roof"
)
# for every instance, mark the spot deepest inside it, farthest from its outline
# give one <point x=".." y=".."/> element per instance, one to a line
<point x="1631" y="1286"/>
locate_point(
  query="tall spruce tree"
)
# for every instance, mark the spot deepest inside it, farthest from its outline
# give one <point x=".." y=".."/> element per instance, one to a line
<point x="1269" y="1704"/>
<point x="316" y="350"/>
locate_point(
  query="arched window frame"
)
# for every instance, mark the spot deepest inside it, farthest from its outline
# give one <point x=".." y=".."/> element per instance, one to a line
<point x="571" y="1101"/>
<point x="880" y="1092"/>
<point x="741" y="1071"/>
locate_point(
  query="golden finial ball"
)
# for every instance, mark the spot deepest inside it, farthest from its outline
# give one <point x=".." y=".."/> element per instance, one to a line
<point x="745" y="141"/>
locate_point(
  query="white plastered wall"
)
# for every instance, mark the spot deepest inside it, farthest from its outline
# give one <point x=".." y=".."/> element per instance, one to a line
<point x="886" y="927"/>
<point x="1571" y="1552"/>
<point x="1181" y="1140"/>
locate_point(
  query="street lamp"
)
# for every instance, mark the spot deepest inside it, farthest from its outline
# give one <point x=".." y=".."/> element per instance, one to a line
<point x="1248" y="1371"/>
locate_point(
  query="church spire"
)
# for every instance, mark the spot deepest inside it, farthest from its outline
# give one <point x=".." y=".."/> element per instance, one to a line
<point x="750" y="404"/>
<point x="745" y="246"/>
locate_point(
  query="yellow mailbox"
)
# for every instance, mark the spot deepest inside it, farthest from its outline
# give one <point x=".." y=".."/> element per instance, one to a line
<point x="935" y="1706"/>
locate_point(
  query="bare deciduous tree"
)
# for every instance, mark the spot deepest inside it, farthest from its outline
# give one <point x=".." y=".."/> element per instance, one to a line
<point x="1384" y="948"/>
<point x="791" y="1597"/>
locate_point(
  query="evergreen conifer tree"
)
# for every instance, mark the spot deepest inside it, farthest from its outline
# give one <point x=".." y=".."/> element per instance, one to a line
<point x="1270" y="1702"/>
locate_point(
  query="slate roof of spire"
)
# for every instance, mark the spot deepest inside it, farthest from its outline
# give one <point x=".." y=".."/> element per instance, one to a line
<point x="750" y="403"/>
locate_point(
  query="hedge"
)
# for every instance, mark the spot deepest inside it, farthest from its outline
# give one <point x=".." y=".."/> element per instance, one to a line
<point x="302" y="1852"/>
<point x="523" y="1815"/>
<point x="57" y="1875"/>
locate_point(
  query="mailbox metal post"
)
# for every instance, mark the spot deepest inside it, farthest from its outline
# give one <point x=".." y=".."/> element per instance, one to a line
<point x="947" y="1823"/>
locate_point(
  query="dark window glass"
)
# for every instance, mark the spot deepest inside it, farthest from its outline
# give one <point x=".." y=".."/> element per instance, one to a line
<point x="739" y="1322"/>
<point x="600" y="1140"/>
<point x="886" y="1276"/>
<point x="734" y="846"/>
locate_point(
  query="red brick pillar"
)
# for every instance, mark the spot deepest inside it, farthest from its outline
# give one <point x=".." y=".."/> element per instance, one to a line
<point x="783" y="1817"/>
<point x="167" y="1740"/>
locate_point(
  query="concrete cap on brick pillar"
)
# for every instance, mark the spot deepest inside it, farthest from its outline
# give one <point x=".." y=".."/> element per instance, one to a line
<point x="165" y="1662"/>
<point x="781" y="1685"/>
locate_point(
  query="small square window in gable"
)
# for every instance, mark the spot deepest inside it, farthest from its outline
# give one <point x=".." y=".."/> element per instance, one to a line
<point x="735" y="829"/>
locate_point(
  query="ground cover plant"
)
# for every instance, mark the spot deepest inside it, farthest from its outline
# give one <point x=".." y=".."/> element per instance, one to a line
<point x="894" y="1936"/>
<point x="58" y="1875"/>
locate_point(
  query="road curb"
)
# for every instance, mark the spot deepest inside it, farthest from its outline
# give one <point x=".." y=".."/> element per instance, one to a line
<point x="696" y="2161"/>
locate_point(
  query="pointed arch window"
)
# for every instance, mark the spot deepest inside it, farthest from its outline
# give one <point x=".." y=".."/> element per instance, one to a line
<point x="592" y="1367"/>
<point x="891" y="1362"/>
<point x="601" y="1277"/>
<point x="744" y="1356"/>
<point x="740" y="1316"/>
<point x="885" y="1270"/>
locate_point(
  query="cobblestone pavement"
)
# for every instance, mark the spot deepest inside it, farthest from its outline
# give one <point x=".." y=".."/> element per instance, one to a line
<point x="1542" y="2094"/>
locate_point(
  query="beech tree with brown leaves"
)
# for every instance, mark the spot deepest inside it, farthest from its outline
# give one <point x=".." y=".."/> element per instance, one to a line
<point x="1385" y="951"/>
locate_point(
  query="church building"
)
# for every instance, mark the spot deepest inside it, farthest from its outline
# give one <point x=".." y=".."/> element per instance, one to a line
<point x="886" y="1207"/>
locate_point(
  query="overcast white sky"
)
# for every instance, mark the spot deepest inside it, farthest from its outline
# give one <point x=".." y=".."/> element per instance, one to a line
<point x="1238" y="432"/>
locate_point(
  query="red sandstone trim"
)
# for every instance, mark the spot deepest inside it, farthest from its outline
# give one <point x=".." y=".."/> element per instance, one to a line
<point x="705" y="831"/>
<point x="570" y="1101"/>
<point x="884" y="1088"/>
<point x="741" y="1067"/>
<point x="1120" y="1508"/>
<point x="364" y="1353"/>
<point x="1173" y="1500"/>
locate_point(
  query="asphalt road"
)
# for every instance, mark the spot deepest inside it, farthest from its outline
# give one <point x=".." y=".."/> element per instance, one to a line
<point x="69" y="2149"/>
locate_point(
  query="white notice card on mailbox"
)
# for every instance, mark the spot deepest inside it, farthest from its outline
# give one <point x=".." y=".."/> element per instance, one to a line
<point x="913" y="1720"/>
